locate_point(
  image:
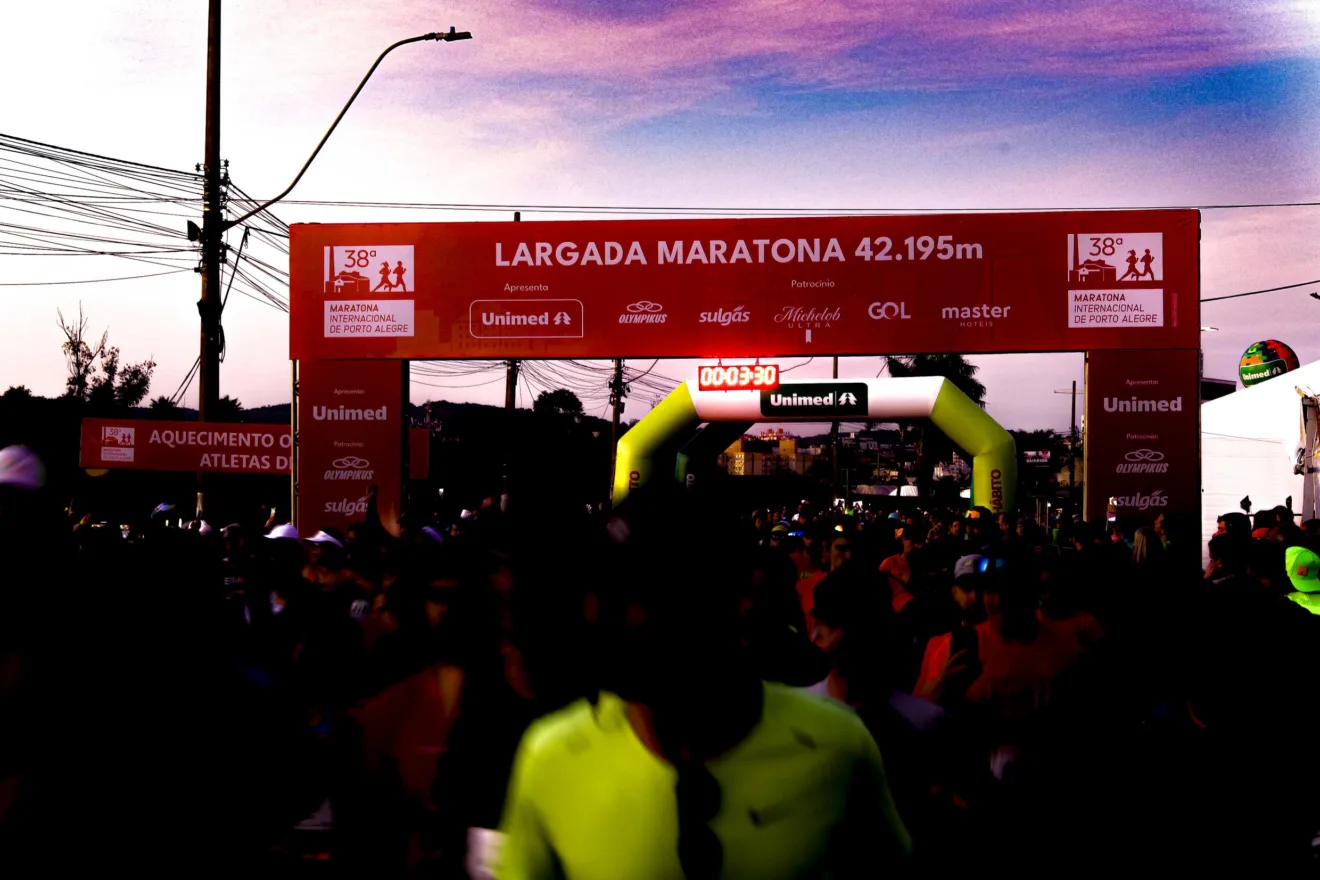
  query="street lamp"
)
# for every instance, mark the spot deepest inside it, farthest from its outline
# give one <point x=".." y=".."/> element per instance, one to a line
<point x="214" y="226"/>
<point x="444" y="37"/>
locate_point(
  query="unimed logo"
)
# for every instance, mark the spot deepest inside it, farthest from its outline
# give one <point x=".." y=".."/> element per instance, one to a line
<point x="525" y="319"/>
<point x="347" y="414"/>
<point x="1155" y="499"/>
<point x="1136" y="404"/>
<point x="816" y="398"/>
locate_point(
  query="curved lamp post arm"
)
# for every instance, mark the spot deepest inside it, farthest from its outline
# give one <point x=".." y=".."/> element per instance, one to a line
<point x="445" y="36"/>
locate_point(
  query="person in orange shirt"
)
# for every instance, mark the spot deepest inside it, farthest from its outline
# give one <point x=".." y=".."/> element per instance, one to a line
<point x="898" y="568"/>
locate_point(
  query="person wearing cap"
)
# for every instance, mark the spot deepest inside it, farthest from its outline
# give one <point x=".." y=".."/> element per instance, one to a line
<point x="1304" y="573"/>
<point x="981" y="530"/>
<point x="946" y="670"/>
<point x="325" y="558"/>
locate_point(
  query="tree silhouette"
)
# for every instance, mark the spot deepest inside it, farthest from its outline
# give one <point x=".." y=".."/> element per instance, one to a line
<point x="17" y="392"/>
<point x="95" y="375"/>
<point x="228" y="409"/>
<point x="560" y="402"/>
<point x="164" y="408"/>
<point x="932" y="446"/>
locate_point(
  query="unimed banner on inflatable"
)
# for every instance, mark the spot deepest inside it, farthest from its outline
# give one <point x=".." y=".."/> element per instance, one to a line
<point x="1009" y="282"/>
<point x="350" y="438"/>
<point x="1142" y="443"/>
<point x="218" y="447"/>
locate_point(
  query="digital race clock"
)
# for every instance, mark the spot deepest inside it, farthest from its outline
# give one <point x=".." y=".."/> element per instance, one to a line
<point x="758" y="377"/>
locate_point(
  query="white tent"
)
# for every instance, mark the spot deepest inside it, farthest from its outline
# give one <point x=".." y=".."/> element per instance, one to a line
<point x="1250" y="440"/>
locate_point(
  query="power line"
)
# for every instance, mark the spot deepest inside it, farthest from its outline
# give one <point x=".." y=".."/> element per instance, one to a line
<point x="1266" y="290"/>
<point x="89" y="280"/>
<point x="730" y="211"/>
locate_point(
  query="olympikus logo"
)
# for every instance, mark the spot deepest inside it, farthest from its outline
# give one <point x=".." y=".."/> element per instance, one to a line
<point x="350" y="468"/>
<point x="724" y="318"/>
<point x="346" y="507"/>
<point x="844" y="399"/>
<point x="1142" y="502"/>
<point x="1143" y="461"/>
<point x="344" y="414"/>
<point x="644" y="312"/>
<point x="1117" y="404"/>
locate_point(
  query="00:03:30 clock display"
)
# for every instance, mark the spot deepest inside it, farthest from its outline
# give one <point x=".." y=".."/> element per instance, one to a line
<point x="759" y="377"/>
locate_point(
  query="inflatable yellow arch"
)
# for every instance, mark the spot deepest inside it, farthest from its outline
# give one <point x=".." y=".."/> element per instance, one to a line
<point x="654" y="446"/>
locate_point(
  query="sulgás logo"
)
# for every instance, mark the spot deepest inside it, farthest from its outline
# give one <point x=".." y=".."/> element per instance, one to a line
<point x="350" y="467"/>
<point x="644" y="312"/>
<point x="1143" y="461"/>
<point x="347" y="507"/>
<point x="1142" y="502"/>
<point x="724" y="317"/>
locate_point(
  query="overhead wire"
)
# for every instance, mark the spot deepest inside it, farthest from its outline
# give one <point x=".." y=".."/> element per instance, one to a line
<point x="778" y="211"/>
<point x="89" y="280"/>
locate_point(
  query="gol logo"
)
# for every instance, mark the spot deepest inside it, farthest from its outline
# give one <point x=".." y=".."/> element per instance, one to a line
<point x="889" y="312"/>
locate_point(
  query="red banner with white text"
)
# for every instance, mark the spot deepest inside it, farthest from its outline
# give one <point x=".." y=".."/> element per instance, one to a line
<point x="350" y="438"/>
<point x="217" y="447"/>
<point x="971" y="283"/>
<point x="1143" y="434"/>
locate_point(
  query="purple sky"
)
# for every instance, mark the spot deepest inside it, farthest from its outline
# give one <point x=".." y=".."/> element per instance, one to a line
<point x="804" y="104"/>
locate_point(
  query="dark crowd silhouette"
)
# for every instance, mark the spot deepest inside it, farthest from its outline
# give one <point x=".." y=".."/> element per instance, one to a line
<point x="673" y="689"/>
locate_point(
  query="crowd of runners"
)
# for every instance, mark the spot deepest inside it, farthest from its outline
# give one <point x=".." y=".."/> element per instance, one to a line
<point x="673" y="689"/>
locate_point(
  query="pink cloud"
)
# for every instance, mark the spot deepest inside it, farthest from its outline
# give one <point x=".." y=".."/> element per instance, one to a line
<point x="915" y="43"/>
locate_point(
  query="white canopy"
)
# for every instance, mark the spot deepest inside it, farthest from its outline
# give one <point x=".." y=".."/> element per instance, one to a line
<point x="1249" y="444"/>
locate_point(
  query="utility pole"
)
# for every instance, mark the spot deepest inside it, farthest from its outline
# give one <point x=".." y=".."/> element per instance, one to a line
<point x="617" y="392"/>
<point x="1072" y="441"/>
<point x="510" y="403"/>
<point x="212" y="235"/>
<point x="834" y="438"/>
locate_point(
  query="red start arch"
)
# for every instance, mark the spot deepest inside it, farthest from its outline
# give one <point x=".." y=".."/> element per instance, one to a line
<point x="1122" y="286"/>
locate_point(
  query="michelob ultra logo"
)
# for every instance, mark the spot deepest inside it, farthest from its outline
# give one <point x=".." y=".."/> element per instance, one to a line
<point x="825" y="399"/>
